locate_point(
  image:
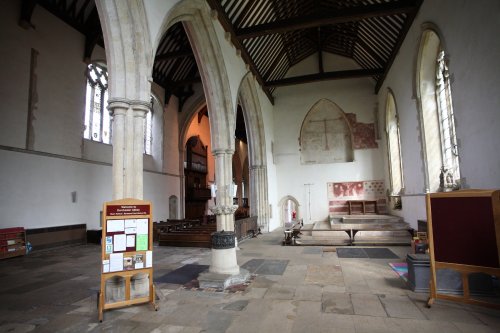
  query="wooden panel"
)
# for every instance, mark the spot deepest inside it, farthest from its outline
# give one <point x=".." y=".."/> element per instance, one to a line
<point x="464" y="231"/>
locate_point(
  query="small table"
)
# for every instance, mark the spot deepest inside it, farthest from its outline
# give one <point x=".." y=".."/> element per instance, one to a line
<point x="363" y="205"/>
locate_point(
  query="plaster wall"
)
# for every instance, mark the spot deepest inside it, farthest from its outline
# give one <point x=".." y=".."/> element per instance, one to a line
<point x="473" y="50"/>
<point x="59" y="65"/>
<point x="36" y="186"/>
<point x="292" y="104"/>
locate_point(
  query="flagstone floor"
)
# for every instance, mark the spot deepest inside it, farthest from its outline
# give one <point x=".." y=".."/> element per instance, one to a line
<point x="293" y="289"/>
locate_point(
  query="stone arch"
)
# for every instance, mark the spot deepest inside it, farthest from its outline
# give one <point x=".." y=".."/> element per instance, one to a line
<point x="129" y="72"/>
<point x="326" y="135"/>
<point x="254" y="124"/>
<point x="183" y="138"/>
<point x="195" y="16"/>
<point x="283" y="206"/>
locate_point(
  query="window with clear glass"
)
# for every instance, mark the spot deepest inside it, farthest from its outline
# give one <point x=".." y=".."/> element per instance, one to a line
<point x="446" y="121"/>
<point x="394" y="146"/>
<point x="437" y="120"/>
<point x="97" y="118"/>
<point x="148" y="131"/>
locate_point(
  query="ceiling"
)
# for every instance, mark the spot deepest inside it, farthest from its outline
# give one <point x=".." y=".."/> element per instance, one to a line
<point x="272" y="36"/>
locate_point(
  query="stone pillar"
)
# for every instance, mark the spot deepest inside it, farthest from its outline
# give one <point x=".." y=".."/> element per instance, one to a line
<point x="223" y="253"/>
<point x="259" y="203"/>
<point x="139" y="110"/>
<point x="224" y="259"/>
<point x="118" y="110"/>
<point x="224" y="179"/>
<point x="128" y="147"/>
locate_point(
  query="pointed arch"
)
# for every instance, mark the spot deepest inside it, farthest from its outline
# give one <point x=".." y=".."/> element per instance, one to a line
<point x="326" y="135"/>
<point x="254" y="124"/>
<point x="129" y="72"/>
<point x="195" y="16"/>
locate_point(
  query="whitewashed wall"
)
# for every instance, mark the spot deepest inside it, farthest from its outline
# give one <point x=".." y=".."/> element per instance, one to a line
<point x="292" y="104"/>
<point x="469" y="32"/>
<point x="36" y="187"/>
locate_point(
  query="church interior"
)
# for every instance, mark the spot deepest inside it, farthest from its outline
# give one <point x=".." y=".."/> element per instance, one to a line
<point x="250" y="166"/>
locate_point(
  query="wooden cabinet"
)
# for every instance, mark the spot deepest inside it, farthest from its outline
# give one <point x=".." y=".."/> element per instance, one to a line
<point x="12" y="242"/>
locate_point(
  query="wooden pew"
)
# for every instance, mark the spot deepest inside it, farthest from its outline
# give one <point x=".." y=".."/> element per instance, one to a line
<point x="180" y="238"/>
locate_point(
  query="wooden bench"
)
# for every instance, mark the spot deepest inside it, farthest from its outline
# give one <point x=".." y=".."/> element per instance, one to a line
<point x="180" y="238"/>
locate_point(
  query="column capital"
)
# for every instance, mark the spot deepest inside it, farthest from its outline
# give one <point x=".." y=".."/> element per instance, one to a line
<point x="140" y="108"/>
<point x="221" y="151"/>
<point x="224" y="210"/>
<point x="118" y="106"/>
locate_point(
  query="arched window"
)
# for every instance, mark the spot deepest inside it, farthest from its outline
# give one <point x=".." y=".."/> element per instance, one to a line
<point x="447" y="123"/>
<point x="148" y="130"/>
<point x="97" y="118"/>
<point x="437" y="120"/>
<point x="394" y="146"/>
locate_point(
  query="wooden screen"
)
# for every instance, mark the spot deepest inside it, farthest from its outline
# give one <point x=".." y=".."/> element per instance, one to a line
<point x="464" y="235"/>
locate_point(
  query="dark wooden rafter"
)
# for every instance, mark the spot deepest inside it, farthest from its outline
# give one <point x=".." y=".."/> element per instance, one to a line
<point x="320" y="52"/>
<point x="174" y="55"/>
<point x="347" y="74"/>
<point x="27" y="8"/>
<point x="80" y="16"/>
<point x="93" y="34"/>
<point x="328" y="18"/>
<point x="409" y="20"/>
<point x="226" y="24"/>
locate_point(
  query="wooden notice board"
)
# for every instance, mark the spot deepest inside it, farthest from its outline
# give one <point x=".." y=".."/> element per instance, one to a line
<point x="464" y="235"/>
<point x="127" y="249"/>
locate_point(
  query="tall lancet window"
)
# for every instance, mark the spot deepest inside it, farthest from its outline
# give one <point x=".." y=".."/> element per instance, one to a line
<point x="451" y="169"/>
<point x="97" y="118"/>
<point x="437" y="122"/>
<point x="394" y="146"/>
<point x="148" y="130"/>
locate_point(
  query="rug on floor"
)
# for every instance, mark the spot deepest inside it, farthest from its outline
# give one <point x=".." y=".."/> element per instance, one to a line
<point x="366" y="252"/>
<point x="401" y="268"/>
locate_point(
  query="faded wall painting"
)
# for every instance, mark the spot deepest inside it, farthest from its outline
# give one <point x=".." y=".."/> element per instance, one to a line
<point x="325" y="136"/>
<point x="340" y="193"/>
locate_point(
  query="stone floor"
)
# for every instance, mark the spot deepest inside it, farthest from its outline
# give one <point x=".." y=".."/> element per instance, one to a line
<point x="294" y="289"/>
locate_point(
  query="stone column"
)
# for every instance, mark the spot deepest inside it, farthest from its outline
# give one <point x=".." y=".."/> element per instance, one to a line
<point x="128" y="147"/>
<point x="259" y="204"/>
<point x="224" y="256"/>
<point x="139" y="111"/>
<point x="118" y="110"/>
<point x="224" y="179"/>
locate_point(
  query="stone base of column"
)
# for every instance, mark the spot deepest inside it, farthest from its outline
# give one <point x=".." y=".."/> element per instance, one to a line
<point x="224" y="270"/>
<point x="224" y="261"/>
<point x="223" y="281"/>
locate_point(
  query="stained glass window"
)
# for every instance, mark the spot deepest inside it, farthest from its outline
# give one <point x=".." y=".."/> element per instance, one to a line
<point x="97" y="118"/>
